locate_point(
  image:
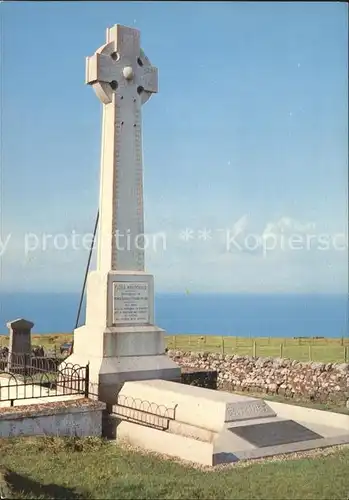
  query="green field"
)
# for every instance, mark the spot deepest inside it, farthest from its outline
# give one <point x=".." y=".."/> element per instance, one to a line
<point x="54" y="468"/>
<point x="302" y="349"/>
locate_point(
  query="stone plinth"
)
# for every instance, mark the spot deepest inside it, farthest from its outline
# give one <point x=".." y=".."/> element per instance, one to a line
<point x="120" y="340"/>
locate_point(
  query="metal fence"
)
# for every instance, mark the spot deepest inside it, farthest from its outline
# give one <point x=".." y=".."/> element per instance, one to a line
<point x="24" y="376"/>
<point x="143" y="412"/>
<point x="28" y="364"/>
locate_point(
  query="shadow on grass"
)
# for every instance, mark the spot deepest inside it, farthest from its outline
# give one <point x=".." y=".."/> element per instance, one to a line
<point x="21" y="485"/>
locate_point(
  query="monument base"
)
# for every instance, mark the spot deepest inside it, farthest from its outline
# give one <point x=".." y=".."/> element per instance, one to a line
<point x="124" y="353"/>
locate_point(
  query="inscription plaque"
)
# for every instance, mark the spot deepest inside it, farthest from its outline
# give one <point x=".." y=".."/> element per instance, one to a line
<point x="275" y="433"/>
<point x="252" y="409"/>
<point x="131" y="302"/>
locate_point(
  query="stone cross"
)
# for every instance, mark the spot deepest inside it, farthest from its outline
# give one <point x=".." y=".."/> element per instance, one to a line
<point x="123" y="79"/>
<point x="120" y="340"/>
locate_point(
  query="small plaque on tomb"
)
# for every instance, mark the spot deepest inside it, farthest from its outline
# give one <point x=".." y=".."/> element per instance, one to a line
<point x="274" y="433"/>
<point x="131" y="302"/>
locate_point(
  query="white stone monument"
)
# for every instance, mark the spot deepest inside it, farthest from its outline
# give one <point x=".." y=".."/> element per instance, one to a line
<point x="119" y="339"/>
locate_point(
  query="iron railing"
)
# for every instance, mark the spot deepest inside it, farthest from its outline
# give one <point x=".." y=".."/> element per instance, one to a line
<point x="28" y="377"/>
<point x="144" y="412"/>
<point x="28" y="364"/>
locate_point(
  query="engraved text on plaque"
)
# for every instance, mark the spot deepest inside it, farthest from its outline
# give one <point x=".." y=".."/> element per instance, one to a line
<point x="130" y="302"/>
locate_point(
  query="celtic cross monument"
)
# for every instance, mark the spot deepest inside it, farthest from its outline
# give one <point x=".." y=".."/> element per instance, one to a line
<point x="119" y="339"/>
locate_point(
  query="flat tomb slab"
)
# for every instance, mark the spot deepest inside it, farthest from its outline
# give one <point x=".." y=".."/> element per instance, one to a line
<point x="274" y="433"/>
<point x="197" y="406"/>
<point x="218" y="427"/>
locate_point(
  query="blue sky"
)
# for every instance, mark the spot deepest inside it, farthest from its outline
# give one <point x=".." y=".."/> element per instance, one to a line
<point x="249" y="125"/>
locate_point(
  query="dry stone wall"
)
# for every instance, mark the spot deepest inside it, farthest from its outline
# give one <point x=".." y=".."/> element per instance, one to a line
<point x="320" y="382"/>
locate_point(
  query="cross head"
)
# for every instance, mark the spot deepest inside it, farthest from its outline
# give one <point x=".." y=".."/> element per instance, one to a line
<point x="120" y="65"/>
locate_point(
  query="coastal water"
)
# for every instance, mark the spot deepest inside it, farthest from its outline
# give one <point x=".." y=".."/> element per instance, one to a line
<point x="241" y="315"/>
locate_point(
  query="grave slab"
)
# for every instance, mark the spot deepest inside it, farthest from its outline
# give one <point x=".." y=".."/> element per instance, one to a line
<point x="198" y="406"/>
<point x="217" y="427"/>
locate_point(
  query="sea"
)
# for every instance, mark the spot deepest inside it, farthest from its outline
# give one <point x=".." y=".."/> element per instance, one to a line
<point x="206" y="314"/>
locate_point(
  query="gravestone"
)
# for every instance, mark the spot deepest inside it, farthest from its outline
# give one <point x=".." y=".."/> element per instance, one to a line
<point x="20" y="342"/>
<point x="119" y="339"/>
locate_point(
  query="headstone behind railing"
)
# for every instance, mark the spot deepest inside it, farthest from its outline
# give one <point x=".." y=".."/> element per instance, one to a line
<point x="20" y="340"/>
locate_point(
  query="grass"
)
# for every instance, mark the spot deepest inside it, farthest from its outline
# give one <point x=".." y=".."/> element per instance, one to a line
<point x="303" y="349"/>
<point x="48" y="341"/>
<point x="54" y="468"/>
<point x="307" y="349"/>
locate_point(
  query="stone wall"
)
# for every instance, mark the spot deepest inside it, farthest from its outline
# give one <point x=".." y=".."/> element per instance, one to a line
<point x="320" y="382"/>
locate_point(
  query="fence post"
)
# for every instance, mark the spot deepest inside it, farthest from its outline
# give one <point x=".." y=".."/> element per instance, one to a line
<point x="254" y="351"/>
<point x="174" y="341"/>
<point x="87" y="380"/>
<point x="310" y="353"/>
<point x="26" y="364"/>
<point x="346" y="357"/>
<point x="281" y="350"/>
<point x="222" y="346"/>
